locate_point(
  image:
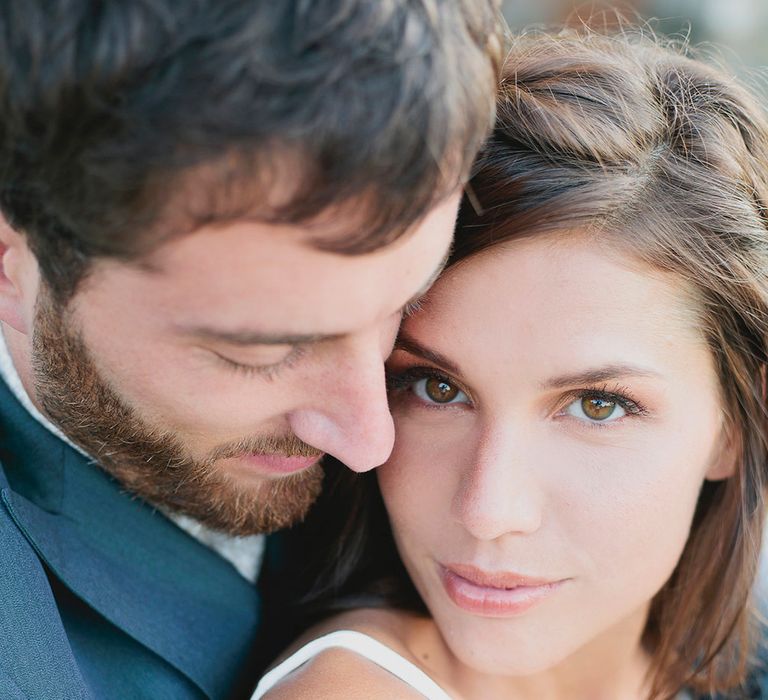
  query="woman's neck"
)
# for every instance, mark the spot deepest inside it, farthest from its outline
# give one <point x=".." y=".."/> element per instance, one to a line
<point x="613" y="666"/>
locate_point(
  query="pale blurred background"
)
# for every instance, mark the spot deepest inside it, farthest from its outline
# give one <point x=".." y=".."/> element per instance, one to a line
<point x="739" y="27"/>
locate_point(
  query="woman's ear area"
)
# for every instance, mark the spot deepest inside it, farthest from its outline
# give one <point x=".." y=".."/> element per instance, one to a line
<point x="19" y="279"/>
<point x="727" y="453"/>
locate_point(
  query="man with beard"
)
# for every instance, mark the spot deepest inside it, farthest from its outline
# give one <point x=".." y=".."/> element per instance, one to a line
<point x="216" y="212"/>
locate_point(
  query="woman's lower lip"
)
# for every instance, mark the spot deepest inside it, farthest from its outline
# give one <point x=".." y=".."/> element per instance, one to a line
<point x="278" y="464"/>
<point x="489" y="601"/>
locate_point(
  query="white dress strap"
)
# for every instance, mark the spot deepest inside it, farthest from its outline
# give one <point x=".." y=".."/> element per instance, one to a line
<point x="365" y="646"/>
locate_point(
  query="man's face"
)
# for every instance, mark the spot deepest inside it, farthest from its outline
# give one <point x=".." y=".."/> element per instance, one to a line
<point x="211" y="379"/>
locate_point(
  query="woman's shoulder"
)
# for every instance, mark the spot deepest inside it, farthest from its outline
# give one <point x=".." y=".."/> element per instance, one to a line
<point x="341" y="674"/>
<point x="350" y="671"/>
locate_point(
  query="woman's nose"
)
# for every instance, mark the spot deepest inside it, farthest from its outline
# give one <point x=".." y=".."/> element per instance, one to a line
<point x="501" y="491"/>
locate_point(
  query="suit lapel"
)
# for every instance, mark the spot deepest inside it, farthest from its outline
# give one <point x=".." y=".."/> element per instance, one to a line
<point x="126" y="560"/>
<point x="33" y="638"/>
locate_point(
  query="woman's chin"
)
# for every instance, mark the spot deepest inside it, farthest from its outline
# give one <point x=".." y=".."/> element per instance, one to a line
<point x="505" y="655"/>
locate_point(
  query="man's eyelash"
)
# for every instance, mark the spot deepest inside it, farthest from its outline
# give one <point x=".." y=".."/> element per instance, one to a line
<point x="269" y="371"/>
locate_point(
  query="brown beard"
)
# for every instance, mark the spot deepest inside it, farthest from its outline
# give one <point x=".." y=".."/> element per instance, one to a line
<point x="152" y="463"/>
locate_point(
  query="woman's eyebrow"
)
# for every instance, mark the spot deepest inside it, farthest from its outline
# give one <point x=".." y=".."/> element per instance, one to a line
<point x="597" y="375"/>
<point x="413" y="347"/>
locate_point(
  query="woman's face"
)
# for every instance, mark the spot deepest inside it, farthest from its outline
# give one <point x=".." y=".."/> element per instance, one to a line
<point x="556" y="412"/>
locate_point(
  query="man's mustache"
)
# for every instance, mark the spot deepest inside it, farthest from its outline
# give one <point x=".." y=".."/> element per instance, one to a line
<point x="284" y="445"/>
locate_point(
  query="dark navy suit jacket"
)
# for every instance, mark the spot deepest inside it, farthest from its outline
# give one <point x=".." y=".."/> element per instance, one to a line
<point x="101" y="596"/>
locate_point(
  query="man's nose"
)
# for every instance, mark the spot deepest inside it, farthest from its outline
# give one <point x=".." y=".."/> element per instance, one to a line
<point x="500" y="492"/>
<point x="351" y="421"/>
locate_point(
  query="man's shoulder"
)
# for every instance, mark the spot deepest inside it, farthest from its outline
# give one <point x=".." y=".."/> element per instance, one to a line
<point x="8" y="688"/>
<point x="35" y="657"/>
<point x="20" y="566"/>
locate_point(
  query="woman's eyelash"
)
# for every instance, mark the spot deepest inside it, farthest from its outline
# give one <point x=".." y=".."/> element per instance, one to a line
<point x="404" y="380"/>
<point x="612" y="394"/>
<point x="407" y="377"/>
<point x="398" y="381"/>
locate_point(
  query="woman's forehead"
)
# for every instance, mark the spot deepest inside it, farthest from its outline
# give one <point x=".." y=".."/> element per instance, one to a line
<point x="572" y="301"/>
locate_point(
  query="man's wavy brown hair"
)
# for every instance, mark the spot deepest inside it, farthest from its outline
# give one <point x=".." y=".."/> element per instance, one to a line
<point x="126" y="124"/>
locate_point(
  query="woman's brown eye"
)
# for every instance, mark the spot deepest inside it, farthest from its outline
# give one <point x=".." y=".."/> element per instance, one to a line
<point x="440" y="391"/>
<point x="596" y="408"/>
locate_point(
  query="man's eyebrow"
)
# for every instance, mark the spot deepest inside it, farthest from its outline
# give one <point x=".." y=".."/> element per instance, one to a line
<point x="413" y="347"/>
<point x="249" y="337"/>
<point x="597" y="375"/>
<point x="416" y="298"/>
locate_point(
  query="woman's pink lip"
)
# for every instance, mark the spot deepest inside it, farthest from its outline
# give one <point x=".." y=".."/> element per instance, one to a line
<point x="495" y="593"/>
<point x="279" y="464"/>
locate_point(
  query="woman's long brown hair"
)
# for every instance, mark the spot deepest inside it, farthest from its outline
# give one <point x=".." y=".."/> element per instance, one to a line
<point x="664" y="158"/>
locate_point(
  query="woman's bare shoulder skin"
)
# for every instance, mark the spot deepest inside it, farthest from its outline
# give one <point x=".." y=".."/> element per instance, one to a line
<point x="342" y="674"/>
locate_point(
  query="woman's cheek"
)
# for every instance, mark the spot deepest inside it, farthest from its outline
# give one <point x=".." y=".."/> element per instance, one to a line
<point x="635" y="518"/>
<point x="419" y="479"/>
<point x="411" y="464"/>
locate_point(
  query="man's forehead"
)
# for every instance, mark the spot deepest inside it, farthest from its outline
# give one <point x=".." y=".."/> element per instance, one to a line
<point x="253" y="279"/>
<point x="247" y="247"/>
<point x="252" y="335"/>
<point x="233" y="191"/>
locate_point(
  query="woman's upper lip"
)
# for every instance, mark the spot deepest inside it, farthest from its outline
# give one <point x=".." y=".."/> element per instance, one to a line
<point x="497" y="579"/>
